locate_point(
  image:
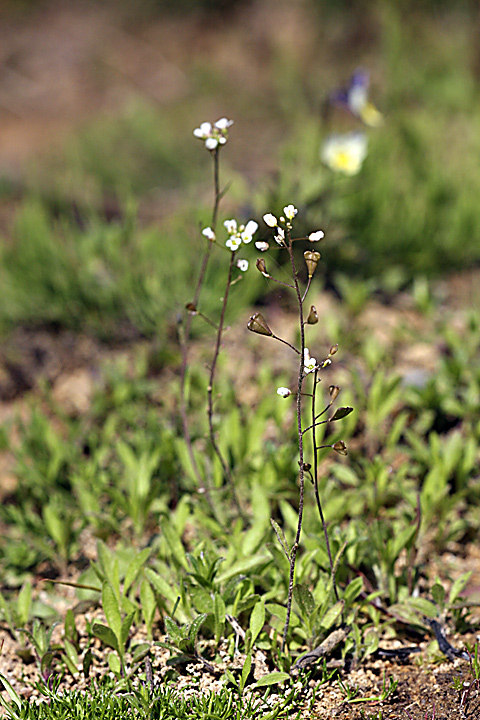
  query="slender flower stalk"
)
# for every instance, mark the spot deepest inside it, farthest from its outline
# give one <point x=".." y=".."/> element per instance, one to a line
<point x="315" y="484"/>
<point x="185" y="336"/>
<point x="308" y="365"/>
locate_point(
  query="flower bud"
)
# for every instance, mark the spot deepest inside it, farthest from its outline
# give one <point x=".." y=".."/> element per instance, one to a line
<point x="284" y="392"/>
<point x="312" y="318"/>
<point x="311" y="260"/>
<point x="333" y="350"/>
<point x="261" y="267"/>
<point x="191" y="307"/>
<point x="258" y="324"/>
<point x="340" y="448"/>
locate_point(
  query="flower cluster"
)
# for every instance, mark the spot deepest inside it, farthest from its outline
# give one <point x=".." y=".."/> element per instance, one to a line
<point x="213" y="135"/>
<point x="284" y="222"/>
<point x="239" y="233"/>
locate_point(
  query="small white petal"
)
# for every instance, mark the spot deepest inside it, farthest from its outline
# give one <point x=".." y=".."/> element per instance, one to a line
<point x="223" y="123"/>
<point x="230" y="226"/>
<point x="233" y="243"/>
<point x="284" y="392"/>
<point x="208" y="232"/>
<point x="206" y="128"/>
<point x="270" y="220"/>
<point x="316" y="236"/>
<point x="211" y="143"/>
<point x="251" y="227"/>
<point x="290" y="211"/>
<point x="242" y="265"/>
<point x="262" y="246"/>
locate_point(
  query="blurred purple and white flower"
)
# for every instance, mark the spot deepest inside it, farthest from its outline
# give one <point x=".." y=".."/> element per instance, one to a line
<point x="284" y="392"/>
<point x="242" y="265"/>
<point x="354" y="98"/>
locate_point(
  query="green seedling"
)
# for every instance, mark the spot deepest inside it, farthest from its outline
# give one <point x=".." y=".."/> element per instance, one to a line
<point x="184" y="638"/>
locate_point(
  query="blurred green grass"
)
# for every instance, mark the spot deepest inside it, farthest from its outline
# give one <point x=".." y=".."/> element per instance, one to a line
<point x="82" y="258"/>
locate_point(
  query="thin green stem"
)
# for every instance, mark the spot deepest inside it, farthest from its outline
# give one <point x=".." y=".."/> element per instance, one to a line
<point x="226" y="470"/>
<point x="315" y="485"/>
<point x="185" y="338"/>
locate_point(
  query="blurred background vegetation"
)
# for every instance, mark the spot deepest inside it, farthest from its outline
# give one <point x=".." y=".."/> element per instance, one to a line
<point x="103" y="187"/>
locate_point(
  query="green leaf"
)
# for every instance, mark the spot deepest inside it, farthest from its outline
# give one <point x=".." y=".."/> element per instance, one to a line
<point x="161" y="586"/>
<point x="134" y="568"/>
<point x="173" y="631"/>
<point x="458" y="586"/>
<point x="147" y="604"/>
<point x="438" y="594"/>
<point x="106" y="635"/>
<point x="111" y="609"/>
<point x="114" y="663"/>
<point x="70" y="627"/>
<point x="219" y="616"/>
<point x="125" y="629"/>
<point x="304" y="598"/>
<point x="340" y="413"/>
<point x="247" y="666"/>
<point x="24" y="603"/>
<point x="195" y="627"/>
<point x="281" y="537"/>
<point x="424" y="606"/>
<point x="278" y="610"/>
<point x="272" y="678"/>
<point x="257" y="619"/>
<point x="353" y="590"/>
<point x="71" y="653"/>
<point x="332" y="614"/>
<point x="243" y="566"/>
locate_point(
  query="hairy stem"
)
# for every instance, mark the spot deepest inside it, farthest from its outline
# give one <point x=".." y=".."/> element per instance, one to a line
<point x="293" y="554"/>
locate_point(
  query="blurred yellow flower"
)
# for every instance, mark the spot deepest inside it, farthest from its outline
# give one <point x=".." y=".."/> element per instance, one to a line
<point x="345" y="153"/>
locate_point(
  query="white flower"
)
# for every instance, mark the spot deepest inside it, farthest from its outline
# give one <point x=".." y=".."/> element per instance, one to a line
<point x="242" y="265"/>
<point x="345" y="153"/>
<point x="209" y="234"/>
<point x="280" y="236"/>
<point x="230" y="226"/>
<point x="248" y="231"/>
<point x="262" y="246"/>
<point x="233" y="242"/>
<point x="316" y="236"/>
<point x="213" y="135"/>
<point x="309" y="363"/>
<point x="223" y="123"/>
<point x="204" y="131"/>
<point x="290" y="211"/>
<point x="284" y="392"/>
<point x="270" y="220"/>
